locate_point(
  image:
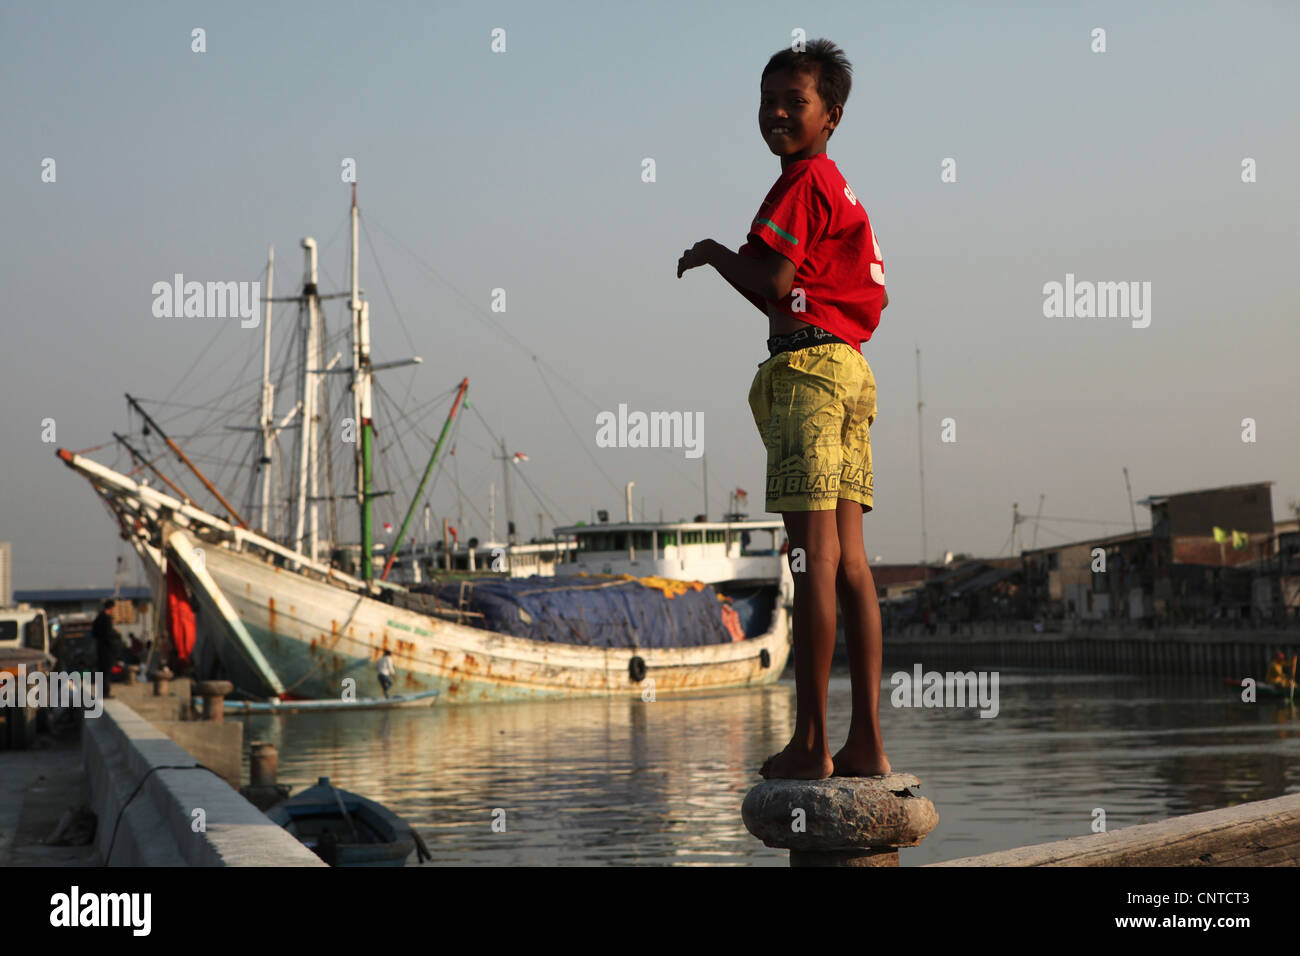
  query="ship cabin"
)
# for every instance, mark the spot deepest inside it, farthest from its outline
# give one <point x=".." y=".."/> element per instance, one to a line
<point x="731" y="551"/>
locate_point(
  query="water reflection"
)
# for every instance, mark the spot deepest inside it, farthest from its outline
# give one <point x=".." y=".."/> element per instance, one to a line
<point x="627" y="782"/>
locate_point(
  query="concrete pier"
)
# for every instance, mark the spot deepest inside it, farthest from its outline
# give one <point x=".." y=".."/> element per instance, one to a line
<point x="841" y="821"/>
<point x="157" y="807"/>
<point x="1260" y="833"/>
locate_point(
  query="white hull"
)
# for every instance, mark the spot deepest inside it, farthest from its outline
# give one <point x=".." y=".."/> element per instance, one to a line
<point x="316" y="636"/>
<point x="274" y="629"/>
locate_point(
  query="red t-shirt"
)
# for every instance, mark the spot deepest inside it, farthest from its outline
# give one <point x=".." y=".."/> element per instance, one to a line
<point x="813" y="218"/>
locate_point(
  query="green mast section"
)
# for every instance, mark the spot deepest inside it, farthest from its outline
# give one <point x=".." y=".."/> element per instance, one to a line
<point x="367" y="523"/>
<point x="428" y="470"/>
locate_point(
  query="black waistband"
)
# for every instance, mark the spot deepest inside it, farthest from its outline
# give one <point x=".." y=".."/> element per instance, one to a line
<point x="801" y="339"/>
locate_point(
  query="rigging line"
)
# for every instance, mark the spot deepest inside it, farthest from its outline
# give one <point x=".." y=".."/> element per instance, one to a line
<point x="374" y="254"/>
<point x="419" y="410"/>
<point x="187" y="407"/>
<point x="486" y="427"/>
<point x="199" y="358"/>
<point x="383" y="399"/>
<point x="461" y="497"/>
<point x="1057" y="533"/>
<point x="581" y="441"/>
<point x="1077" y="520"/>
<point x="412" y="473"/>
<point x="548" y="506"/>
<point x="401" y="415"/>
<point x="441" y="468"/>
<point x="482" y="314"/>
<point x="251" y="355"/>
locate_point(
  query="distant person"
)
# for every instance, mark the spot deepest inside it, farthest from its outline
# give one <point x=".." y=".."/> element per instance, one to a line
<point x="387" y="672"/>
<point x="106" y="638"/>
<point x="1280" y="670"/>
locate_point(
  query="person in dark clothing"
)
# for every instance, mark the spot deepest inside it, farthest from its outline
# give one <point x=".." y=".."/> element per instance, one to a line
<point x="106" y="638"/>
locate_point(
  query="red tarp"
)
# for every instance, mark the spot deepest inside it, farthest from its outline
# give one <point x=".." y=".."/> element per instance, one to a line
<point x="180" y="617"/>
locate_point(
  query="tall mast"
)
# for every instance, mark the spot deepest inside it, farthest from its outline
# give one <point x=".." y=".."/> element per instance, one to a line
<point x="361" y="378"/>
<point x="308" y="471"/>
<point x="505" y="471"/>
<point x="704" y="462"/>
<point x="268" y="399"/>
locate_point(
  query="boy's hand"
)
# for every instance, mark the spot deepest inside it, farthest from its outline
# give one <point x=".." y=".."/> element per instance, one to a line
<point x="696" y="255"/>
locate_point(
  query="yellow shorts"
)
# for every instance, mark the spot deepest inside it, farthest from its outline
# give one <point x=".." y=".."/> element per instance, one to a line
<point x="814" y="408"/>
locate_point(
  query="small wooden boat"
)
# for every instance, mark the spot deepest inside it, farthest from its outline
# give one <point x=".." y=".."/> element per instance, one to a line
<point x="1266" y="691"/>
<point x="346" y="829"/>
<point x="422" y="699"/>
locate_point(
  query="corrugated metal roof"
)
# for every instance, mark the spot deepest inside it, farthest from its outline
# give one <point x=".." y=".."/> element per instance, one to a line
<point x="985" y="580"/>
<point x="55" y="595"/>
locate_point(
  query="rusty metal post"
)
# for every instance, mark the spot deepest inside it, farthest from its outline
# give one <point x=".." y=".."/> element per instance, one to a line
<point x="214" y="694"/>
<point x="841" y="821"/>
<point x="160" y="678"/>
<point x="263" y="764"/>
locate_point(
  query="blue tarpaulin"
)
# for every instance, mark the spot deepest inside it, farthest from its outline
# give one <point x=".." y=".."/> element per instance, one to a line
<point x="593" y="611"/>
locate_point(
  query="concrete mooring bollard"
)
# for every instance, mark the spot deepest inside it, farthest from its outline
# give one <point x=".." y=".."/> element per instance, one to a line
<point x="214" y="694"/>
<point x="160" y="678"/>
<point x="263" y="766"/>
<point x="840" y="821"/>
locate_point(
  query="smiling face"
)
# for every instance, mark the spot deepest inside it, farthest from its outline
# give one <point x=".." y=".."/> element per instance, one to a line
<point x="792" y="117"/>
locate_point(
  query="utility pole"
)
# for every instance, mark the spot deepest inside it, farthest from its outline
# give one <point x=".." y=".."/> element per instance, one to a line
<point x="1132" y="514"/>
<point x="920" y="453"/>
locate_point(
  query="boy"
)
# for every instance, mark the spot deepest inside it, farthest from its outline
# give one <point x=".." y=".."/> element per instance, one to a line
<point x="812" y="266"/>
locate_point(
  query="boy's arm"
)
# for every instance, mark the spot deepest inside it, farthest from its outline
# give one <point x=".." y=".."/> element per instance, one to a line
<point x="768" y="278"/>
<point x="752" y="297"/>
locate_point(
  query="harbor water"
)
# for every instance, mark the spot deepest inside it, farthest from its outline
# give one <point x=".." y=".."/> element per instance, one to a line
<point x="632" y="782"/>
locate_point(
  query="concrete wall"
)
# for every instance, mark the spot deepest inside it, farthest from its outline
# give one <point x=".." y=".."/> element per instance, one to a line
<point x="121" y="752"/>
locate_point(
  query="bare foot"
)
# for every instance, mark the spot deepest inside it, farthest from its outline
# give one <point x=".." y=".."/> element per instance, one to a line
<point x="798" y="763"/>
<point x="855" y="761"/>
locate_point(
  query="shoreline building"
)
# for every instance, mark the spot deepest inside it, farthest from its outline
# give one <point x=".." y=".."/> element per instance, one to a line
<point x="1211" y="556"/>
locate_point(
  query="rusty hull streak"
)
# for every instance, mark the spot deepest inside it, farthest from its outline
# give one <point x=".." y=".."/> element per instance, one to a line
<point x="270" y="610"/>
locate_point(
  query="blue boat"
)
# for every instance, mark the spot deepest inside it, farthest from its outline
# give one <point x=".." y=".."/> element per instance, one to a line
<point x="421" y="699"/>
<point x="346" y="829"/>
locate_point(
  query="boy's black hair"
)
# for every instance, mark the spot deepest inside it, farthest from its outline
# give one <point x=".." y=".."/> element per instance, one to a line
<point x="827" y="62"/>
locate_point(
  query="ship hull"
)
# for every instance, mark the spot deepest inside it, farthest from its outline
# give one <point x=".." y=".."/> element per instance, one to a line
<point x="323" y="640"/>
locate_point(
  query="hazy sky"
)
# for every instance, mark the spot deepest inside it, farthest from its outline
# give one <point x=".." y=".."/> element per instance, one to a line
<point x="522" y="170"/>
